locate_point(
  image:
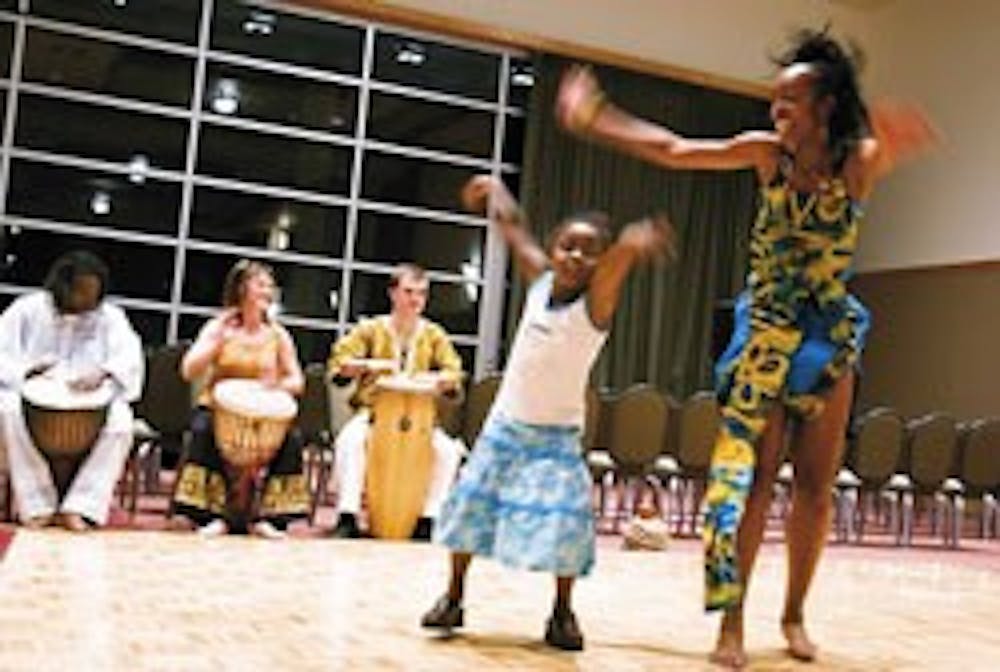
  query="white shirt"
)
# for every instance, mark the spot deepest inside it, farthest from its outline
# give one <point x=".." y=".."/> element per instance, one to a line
<point x="546" y="377"/>
<point x="32" y="328"/>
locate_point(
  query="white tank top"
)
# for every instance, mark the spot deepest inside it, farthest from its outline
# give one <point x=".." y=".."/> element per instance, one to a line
<point x="548" y="369"/>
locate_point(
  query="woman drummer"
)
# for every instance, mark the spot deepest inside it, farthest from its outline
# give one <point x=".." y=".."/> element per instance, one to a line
<point x="242" y="342"/>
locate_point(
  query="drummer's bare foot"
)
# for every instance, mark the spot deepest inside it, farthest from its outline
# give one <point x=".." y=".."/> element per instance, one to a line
<point x="74" y="522"/>
<point x="424" y="529"/>
<point x="216" y="528"/>
<point x="347" y="527"/>
<point x="800" y="646"/>
<point x="729" y="652"/>
<point x="37" y="522"/>
<point x="266" y="530"/>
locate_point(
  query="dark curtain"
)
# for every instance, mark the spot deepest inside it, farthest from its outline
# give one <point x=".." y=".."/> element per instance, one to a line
<point x="663" y="328"/>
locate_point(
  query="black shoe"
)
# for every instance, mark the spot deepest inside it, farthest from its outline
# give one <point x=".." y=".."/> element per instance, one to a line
<point x="444" y="615"/>
<point x="423" y="530"/>
<point x="563" y="632"/>
<point x="347" y="527"/>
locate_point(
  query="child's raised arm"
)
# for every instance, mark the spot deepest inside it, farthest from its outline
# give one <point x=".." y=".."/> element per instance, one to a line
<point x="644" y="240"/>
<point x="485" y="193"/>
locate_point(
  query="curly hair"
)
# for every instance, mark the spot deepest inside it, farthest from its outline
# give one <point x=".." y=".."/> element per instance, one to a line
<point x="67" y="268"/>
<point x="837" y="71"/>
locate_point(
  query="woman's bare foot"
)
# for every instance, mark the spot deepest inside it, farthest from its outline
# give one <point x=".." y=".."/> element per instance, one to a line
<point x="215" y="528"/>
<point x="800" y="646"/>
<point x="729" y="652"/>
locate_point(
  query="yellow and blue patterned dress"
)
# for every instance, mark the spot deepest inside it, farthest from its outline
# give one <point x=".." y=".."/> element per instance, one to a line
<point x="797" y="330"/>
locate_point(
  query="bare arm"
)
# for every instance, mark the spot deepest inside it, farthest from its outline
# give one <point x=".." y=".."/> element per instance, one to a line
<point x="490" y="194"/>
<point x="640" y="241"/>
<point x="202" y="353"/>
<point x="291" y="379"/>
<point x="582" y="108"/>
<point x="900" y="132"/>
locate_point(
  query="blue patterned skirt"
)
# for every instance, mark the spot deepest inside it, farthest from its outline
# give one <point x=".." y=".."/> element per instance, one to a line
<point x="523" y="498"/>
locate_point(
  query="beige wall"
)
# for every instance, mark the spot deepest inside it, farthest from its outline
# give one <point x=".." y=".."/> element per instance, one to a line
<point x="934" y="340"/>
<point x="940" y="210"/>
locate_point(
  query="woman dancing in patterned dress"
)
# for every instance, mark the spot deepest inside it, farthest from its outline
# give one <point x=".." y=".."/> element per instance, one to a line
<point x="799" y="333"/>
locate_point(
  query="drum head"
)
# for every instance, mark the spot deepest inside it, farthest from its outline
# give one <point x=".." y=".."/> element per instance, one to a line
<point x="54" y="393"/>
<point x="388" y="365"/>
<point x="421" y="383"/>
<point x="253" y="399"/>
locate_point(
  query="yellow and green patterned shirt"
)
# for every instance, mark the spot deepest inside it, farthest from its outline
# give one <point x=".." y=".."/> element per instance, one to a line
<point x="428" y="349"/>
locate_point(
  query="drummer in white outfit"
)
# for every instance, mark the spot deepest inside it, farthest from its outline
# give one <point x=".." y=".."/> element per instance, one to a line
<point x="68" y="328"/>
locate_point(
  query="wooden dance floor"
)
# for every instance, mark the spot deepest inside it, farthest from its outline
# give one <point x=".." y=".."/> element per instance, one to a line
<point x="171" y="601"/>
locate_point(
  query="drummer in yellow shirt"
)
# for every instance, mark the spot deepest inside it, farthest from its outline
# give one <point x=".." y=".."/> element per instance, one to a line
<point x="412" y="344"/>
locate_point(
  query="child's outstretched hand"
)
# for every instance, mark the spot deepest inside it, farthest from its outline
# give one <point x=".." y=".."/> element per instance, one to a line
<point x="485" y="191"/>
<point x="650" y="238"/>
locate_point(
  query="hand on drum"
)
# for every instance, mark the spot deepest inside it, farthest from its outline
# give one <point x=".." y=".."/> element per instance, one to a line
<point x="41" y="365"/>
<point x="88" y="380"/>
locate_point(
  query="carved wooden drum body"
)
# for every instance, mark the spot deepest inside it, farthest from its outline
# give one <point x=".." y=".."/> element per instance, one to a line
<point x="64" y="422"/>
<point x="400" y="456"/>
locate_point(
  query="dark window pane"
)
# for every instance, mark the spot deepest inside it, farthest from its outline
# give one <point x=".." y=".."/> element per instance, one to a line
<point x="416" y="62"/>
<point x="513" y="140"/>
<point x="103" y="199"/>
<point x="312" y="345"/>
<point x="168" y="19"/>
<point x="9" y="4"/>
<point x="100" y="132"/>
<point x="468" y="355"/>
<point x="151" y="325"/>
<point x="137" y="271"/>
<point x="263" y="221"/>
<point x="189" y="326"/>
<point x="243" y="28"/>
<point x="446" y="247"/>
<point x="521" y="83"/>
<point x="271" y="159"/>
<point x="6" y="44"/>
<point x="6" y="300"/>
<point x="453" y="305"/>
<point x="399" y="179"/>
<point x="305" y="290"/>
<point x="80" y="63"/>
<point x="284" y="99"/>
<point x="408" y="121"/>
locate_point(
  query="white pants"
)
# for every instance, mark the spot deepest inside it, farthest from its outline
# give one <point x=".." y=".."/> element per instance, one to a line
<point x="93" y="487"/>
<point x="351" y="460"/>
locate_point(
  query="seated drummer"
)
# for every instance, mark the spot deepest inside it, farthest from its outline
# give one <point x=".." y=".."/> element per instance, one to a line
<point x="68" y="328"/>
<point x="241" y="342"/>
<point x="417" y="345"/>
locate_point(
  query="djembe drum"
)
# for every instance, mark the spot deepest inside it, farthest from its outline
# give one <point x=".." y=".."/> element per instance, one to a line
<point x="400" y="455"/>
<point x="250" y="422"/>
<point x="64" y="423"/>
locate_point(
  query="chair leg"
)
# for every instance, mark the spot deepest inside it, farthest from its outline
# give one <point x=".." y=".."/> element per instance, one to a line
<point x="907" y="526"/>
<point x="181" y="461"/>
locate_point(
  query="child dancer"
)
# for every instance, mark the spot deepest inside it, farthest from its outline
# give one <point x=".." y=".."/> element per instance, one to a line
<point x="524" y="496"/>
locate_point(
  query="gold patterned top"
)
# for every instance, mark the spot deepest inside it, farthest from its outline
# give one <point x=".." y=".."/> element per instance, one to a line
<point x="240" y="358"/>
<point x="427" y="349"/>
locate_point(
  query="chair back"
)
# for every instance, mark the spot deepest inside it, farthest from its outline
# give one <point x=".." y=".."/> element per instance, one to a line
<point x="638" y="429"/>
<point x="932" y="443"/>
<point x="314" y="407"/>
<point x="697" y="428"/>
<point x="166" y="398"/>
<point x="980" y="456"/>
<point x="477" y="405"/>
<point x="876" y="445"/>
<point x="592" y="419"/>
